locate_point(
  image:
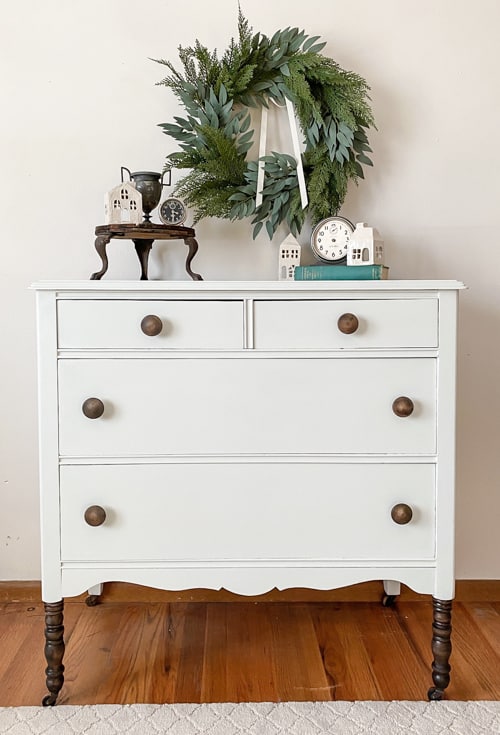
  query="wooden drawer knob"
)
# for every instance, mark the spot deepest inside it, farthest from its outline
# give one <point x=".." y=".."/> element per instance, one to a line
<point x="403" y="406"/>
<point x="151" y="325"/>
<point x="93" y="408"/>
<point x="401" y="514"/>
<point x="348" y="323"/>
<point x="95" y="515"/>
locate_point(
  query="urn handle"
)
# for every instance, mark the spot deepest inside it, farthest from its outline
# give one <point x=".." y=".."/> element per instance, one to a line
<point x="124" y="168"/>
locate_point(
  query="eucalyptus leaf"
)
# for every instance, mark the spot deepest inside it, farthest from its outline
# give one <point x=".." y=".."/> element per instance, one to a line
<point x="257" y="229"/>
<point x="310" y="41"/>
<point x="275" y="38"/>
<point x="245" y="147"/>
<point x="346" y="129"/>
<point x="248" y="190"/>
<point x="245" y="124"/>
<point x="222" y="94"/>
<point x="246" y="137"/>
<point x="364" y="159"/>
<point x="343" y="140"/>
<point x="213" y="99"/>
<point x="361" y="135"/>
<point x="231" y="128"/>
<point x="278" y="54"/>
<point x="317" y="48"/>
<point x="358" y="170"/>
<point x="359" y="146"/>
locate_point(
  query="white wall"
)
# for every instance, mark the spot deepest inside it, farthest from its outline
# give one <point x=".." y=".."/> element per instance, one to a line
<point x="79" y="100"/>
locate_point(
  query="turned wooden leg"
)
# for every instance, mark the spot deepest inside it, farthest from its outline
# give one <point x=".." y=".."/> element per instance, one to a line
<point x="441" y="647"/>
<point x="192" y="250"/>
<point x="143" y="248"/>
<point x="100" y="245"/>
<point x="54" y="650"/>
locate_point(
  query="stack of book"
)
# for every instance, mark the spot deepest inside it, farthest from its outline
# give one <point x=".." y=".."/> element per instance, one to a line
<point x="327" y="272"/>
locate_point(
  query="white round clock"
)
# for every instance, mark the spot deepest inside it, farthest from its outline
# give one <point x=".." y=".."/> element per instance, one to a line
<point x="172" y="211"/>
<point x="330" y="238"/>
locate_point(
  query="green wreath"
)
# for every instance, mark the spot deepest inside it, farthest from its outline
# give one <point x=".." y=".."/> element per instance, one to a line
<point x="331" y="105"/>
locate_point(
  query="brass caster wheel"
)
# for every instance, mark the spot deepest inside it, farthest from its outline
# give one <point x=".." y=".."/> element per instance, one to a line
<point x="92" y="600"/>
<point x="388" y="600"/>
<point x="435" y="695"/>
<point x="49" y="700"/>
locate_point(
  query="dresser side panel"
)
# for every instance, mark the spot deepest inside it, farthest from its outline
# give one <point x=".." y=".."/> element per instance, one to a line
<point x="446" y="431"/>
<point x="48" y="438"/>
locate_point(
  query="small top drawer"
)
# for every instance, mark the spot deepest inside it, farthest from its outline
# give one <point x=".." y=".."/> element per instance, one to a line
<point x="378" y="323"/>
<point x="119" y="324"/>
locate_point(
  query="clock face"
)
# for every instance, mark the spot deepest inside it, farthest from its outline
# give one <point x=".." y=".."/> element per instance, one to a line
<point x="172" y="211"/>
<point x="330" y="238"/>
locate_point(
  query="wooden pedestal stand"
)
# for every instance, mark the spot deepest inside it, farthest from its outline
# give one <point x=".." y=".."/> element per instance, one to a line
<point x="143" y="237"/>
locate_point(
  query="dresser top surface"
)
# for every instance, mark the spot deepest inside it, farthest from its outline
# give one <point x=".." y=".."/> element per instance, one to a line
<point x="251" y="287"/>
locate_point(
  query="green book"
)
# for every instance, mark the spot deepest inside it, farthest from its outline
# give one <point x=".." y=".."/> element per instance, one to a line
<point x="328" y="272"/>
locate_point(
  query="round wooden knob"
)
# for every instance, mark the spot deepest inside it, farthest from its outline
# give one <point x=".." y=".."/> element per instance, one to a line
<point x="348" y="323"/>
<point x="95" y="515"/>
<point x="401" y="514"/>
<point x="403" y="406"/>
<point x="151" y="325"/>
<point x="93" y="408"/>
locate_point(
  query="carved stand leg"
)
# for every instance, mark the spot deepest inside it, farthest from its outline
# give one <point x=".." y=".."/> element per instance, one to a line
<point x="54" y="650"/>
<point x="441" y="647"/>
<point x="100" y="245"/>
<point x="143" y="248"/>
<point x="193" y="249"/>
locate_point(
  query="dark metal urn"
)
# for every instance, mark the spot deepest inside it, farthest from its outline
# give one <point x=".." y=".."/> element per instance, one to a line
<point x="150" y="184"/>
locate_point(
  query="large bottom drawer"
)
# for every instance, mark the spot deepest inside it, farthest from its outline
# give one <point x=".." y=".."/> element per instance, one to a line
<point x="245" y="512"/>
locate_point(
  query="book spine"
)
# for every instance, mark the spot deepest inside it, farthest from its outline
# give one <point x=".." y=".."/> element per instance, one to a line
<point x="339" y="273"/>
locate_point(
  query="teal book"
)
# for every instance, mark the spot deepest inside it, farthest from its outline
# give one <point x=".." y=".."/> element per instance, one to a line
<point x="328" y="272"/>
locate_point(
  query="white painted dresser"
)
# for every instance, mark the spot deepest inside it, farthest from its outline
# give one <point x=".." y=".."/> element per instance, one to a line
<point x="247" y="435"/>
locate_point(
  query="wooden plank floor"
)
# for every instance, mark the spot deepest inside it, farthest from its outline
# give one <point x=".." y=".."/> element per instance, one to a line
<point x="123" y="652"/>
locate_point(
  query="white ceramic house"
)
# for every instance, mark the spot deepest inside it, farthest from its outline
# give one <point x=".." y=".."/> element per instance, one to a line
<point x="365" y="247"/>
<point x="123" y="205"/>
<point x="289" y="257"/>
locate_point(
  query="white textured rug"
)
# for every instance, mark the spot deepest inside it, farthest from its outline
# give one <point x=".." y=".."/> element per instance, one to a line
<point x="290" y="718"/>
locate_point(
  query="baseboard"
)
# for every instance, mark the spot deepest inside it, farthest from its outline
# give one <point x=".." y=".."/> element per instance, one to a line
<point x="467" y="590"/>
